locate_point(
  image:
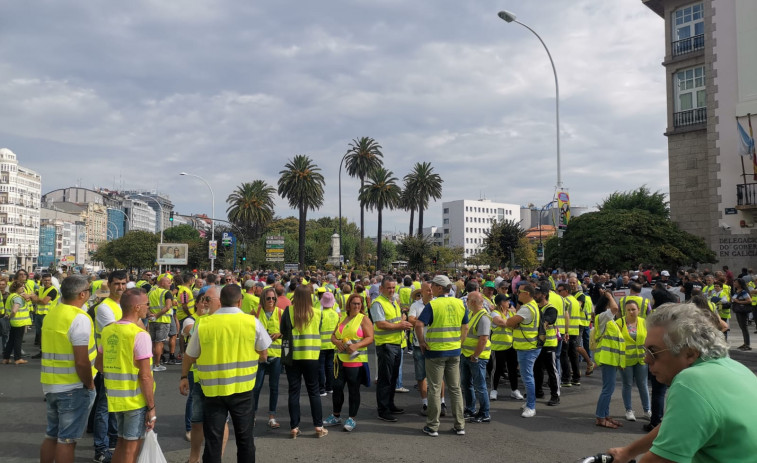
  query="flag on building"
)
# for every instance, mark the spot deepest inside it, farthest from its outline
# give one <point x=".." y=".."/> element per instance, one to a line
<point x="746" y="143"/>
<point x="754" y="153"/>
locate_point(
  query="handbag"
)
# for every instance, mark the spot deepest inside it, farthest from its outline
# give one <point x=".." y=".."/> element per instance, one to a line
<point x="287" y="346"/>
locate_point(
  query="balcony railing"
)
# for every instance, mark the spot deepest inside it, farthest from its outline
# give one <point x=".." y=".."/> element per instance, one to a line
<point x="690" y="117"/>
<point x="746" y="194"/>
<point x="687" y="45"/>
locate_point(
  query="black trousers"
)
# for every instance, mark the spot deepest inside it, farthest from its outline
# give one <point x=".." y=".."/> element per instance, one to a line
<point x="547" y="360"/>
<point x="14" y="343"/>
<point x="506" y="358"/>
<point x="569" y="360"/>
<point x="215" y="410"/>
<point x="389" y="357"/>
<point x="310" y="371"/>
<point x="351" y="377"/>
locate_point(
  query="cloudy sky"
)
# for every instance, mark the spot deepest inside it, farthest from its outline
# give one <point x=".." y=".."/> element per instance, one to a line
<point x="127" y="95"/>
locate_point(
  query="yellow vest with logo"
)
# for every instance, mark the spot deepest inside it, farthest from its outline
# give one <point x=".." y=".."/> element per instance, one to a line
<point x="445" y="331"/>
<point x="58" y="366"/>
<point x="228" y="362"/>
<point x="307" y="342"/>
<point x="502" y="336"/>
<point x="526" y="336"/>
<point x="21" y="318"/>
<point x="120" y="374"/>
<point x="642" y="302"/>
<point x="157" y="297"/>
<point x="556" y="301"/>
<point x="392" y="314"/>
<point x="574" y="307"/>
<point x="272" y="326"/>
<point x="115" y="307"/>
<point x="471" y="339"/>
<point x="611" y="348"/>
<point x="330" y="320"/>
<point x="634" y="347"/>
<point x="349" y="333"/>
<point x="180" y="315"/>
<point x="43" y="309"/>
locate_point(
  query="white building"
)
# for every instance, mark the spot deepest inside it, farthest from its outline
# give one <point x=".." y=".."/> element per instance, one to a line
<point x="20" y="193"/>
<point x="466" y="221"/>
<point x="434" y="234"/>
<point x="141" y="215"/>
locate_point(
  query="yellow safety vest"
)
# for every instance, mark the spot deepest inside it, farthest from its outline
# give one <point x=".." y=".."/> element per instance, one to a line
<point x="180" y="315"/>
<point x="120" y="373"/>
<point x="250" y="303"/>
<point x="634" y="347"/>
<point x="330" y="320"/>
<point x="307" y="342"/>
<point x="556" y="301"/>
<point x="404" y="293"/>
<point x="392" y="314"/>
<point x="445" y="331"/>
<point x="157" y="297"/>
<point x="141" y="283"/>
<point x="117" y="313"/>
<point x="471" y="339"/>
<point x="30" y="288"/>
<point x="611" y="348"/>
<point x="228" y="362"/>
<point x="551" y="331"/>
<point x="43" y="309"/>
<point x="272" y="324"/>
<point x="21" y="318"/>
<point x="576" y="315"/>
<point x="585" y="315"/>
<point x="526" y="336"/>
<point x="349" y="333"/>
<point x="193" y="368"/>
<point x="642" y="302"/>
<point x="417" y="285"/>
<point x="502" y="336"/>
<point x="725" y="313"/>
<point x="58" y="366"/>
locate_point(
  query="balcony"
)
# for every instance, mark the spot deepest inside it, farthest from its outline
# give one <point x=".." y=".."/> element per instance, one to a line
<point x="690" y="117"/>
<point x="687" y="45"/>
<point x="746" y="196"/>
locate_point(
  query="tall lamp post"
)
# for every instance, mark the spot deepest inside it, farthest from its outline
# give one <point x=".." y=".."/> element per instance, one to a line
<point x="213" y="213"/>
<point x="510" y="17"/>
<point x="340" y="210"/>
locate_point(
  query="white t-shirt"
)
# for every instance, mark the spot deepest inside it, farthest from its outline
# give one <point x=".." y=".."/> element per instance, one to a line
<point x="262" y="339"/>
<point x="78" y="335"/>
<point x="415" y="311"/>
<point x="189" y="321"/>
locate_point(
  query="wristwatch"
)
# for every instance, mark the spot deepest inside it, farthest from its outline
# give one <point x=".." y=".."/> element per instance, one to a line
<point x="474" y="358"/>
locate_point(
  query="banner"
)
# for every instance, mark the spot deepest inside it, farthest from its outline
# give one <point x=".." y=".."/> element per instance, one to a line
<point x="563" y="206"/>
<point x="172" y="254"/>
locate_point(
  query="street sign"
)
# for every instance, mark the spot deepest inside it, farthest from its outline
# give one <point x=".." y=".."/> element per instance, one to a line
<point x="227" y="238"/>
<point x="730" y="211"/>
<point x="274" y="248"/>
<point x="291" y="267"/>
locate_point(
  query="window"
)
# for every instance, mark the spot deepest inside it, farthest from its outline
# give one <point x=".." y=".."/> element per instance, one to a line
<point x="446" y="210"/>
<point x="688" y="29"/>
<point x="691" y="97"/>
<point x="446" y="221"/>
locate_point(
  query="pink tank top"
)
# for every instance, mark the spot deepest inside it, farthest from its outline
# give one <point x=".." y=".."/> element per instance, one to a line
<point x="352" y="364"/>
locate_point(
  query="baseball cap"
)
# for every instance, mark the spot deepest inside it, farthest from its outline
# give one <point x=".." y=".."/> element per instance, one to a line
<point x="441" y="280"/>
<point x="489" y="284"/>
<point x="501" y="297"/>
<point x="665" y="273"/>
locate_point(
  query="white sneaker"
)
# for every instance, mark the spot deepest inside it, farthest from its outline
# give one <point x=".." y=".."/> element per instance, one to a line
<point x="402" y="390"/>
<point x="528" y="413"/>
<point x="493" y="395"/>
<point x="648" y="414"/>
<point x="159" y="368"/>
<point x="515" y="394"/>
<point x="630" y="416"/>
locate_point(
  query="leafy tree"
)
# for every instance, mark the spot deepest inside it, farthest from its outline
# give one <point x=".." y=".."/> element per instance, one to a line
<point x="363" y="156"/>
<point x="251" y="206"/>
<point x="181" y="234"/>
<point x="388" y="252"/>
<point x="104" y="254"/>
<point x="525" y="254"/>
<point x="502" y="240"/>
<point x="380" y="192"/>
<point x="408" y="203"/>
<point x="641" y="199"/>
<point x="416" y="250"/>
<point x="448" y="256"/>
<point x="301" y="183"/>
<point x="423" y="184"/>
<point x="136" y="249"/>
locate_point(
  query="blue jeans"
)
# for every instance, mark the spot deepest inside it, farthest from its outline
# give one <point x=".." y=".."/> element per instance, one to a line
<point x="609" y="373"/>
<point x="273" y="368"/>
<point x="188" y="406"/>
<point x="131" y="424"/>
<point x="526" y="359"/>
<point x="38" y="320"/>
<point x="104" y="427"/>
<point x="638" y="374"/>
<point x="658" y="400"/>
<point x="67" y="414"/>
<point x="326" y="370"/>
<point x="473" y="384"/>
<point x="585" y="341"/>
<point x="558" y="353"/>
<point x="399" y="376"/>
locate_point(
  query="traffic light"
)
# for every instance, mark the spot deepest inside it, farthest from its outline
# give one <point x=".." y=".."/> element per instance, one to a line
<point x="434" y="260"/>
<point x="244" y="258"/>
<point x="170" y="217"/>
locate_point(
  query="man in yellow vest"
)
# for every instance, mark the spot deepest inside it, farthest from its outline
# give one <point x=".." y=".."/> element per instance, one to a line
<point x="476" y="351"/>
<point x="547" y="359"/>
<point x="388" y="331"/>
<point x="67" y="374"/>
<point x="571" y="376"/>
<point x="104" y="427"/>
<point x="525" y="325"/>
<point x="124" y="357"/>
<point x="440" y="329"/>
<point x="45" y="298"/>
<point x="161" y="305"/>
<point x="227" y="347"/>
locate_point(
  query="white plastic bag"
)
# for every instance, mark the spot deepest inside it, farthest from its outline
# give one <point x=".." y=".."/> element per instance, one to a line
<point x="151" y="452"/>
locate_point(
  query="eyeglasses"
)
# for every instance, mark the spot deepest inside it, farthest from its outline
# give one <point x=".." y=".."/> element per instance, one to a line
<point x="651" y="352"/>
<point x="270" y="299"/>
<point x="228" y="279"/>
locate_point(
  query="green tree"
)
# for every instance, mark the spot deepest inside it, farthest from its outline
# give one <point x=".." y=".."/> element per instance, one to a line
<point x="525" y="254"/>
<point x="105" y="255"/>
<point x="251" y="207"/>
<point x="181" y="234"/>
<point x="301" y="183"/>
<point x="423" y="185"/>
<point x="363" y="156"/>
<point x="407" y="202"/>
<point x="502" y="240"/>
<point x="416" y="249"/>
<point x="380" y="192"/>
<point x="136" y="249"/>
<point x="448" y="256"/>
<point x="641" y="199"/>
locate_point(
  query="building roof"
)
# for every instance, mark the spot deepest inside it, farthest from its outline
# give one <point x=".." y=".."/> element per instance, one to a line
<point x="547" y="231"/>
<point x="656" y="6"/>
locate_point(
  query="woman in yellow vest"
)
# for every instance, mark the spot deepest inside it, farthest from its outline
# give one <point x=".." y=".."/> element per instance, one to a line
<point x="270" y="316"/>
<point x="329" y="320"/>
<point x="20" y="317"/>
<point x="302" y="324"/>
<point x="352" y="336"/>
<point x="634" y="332"/>
<point x="609" y="354"/>
<point x="505" y="357"/>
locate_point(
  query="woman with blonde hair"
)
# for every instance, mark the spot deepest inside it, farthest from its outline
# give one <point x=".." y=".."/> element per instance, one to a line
<point x="303" y="324"/>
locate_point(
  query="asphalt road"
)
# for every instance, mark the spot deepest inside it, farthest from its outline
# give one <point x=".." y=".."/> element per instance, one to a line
<point x="557" y="434"/>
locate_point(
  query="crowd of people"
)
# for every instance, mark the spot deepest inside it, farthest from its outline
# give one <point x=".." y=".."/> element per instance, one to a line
<point x="104" y="337"/>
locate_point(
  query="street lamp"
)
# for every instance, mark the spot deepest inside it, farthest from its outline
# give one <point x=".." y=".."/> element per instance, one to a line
<point x="509" y="17"/>
<point x="340" y="209"/>
<point x="213" y="213"/>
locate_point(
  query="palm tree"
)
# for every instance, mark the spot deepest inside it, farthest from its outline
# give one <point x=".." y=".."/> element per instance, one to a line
<point x="380" y="192"/>
<point x="251" y="206"/>
<point x="407" y="202"/>
<point x="302" y="185"/>
<point x="423" y="185"/>
<point x="363" y="156"/>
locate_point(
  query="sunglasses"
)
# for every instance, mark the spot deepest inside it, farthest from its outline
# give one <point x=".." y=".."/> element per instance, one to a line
<point x="652" y="352"/>
<point x="270" y="299"/>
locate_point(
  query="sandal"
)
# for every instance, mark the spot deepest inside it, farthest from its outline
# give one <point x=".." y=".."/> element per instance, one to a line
<point x="321" y="432"/>
<point x="273" y="424"/>
<point x="294" y="433"/>
<point x="590" y="368"/>
<point x="615" y="422"/>
<point x="606" y="423"/>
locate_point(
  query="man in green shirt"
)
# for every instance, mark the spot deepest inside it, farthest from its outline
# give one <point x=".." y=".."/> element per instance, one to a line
<point x="712" y="401"/>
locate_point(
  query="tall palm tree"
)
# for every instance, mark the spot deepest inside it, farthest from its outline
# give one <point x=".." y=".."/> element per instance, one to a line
<point x="363" y="155"/>
<point x="407" y="202"/>
<point x="251" y="206"/>
<point x="423" y="184"/>
<point x="302" y="185"/>
<point x="380" y="192"/>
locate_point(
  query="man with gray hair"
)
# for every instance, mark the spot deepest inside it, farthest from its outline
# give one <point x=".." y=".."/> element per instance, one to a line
<point x="712" y="400"/>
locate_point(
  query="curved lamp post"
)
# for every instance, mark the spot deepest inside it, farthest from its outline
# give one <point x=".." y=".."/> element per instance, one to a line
<point x="213" y="213"/>
<point x="510" y="17"/>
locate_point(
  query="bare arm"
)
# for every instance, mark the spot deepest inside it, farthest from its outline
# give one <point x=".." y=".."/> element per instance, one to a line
<point x="83" y="366"/>
<point x="146" y="385"/>
<point x="513" y="321"/>
<point x="401" y="326"/>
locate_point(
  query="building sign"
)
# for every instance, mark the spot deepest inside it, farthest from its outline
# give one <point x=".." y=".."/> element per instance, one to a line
<point x="737" y="246"/>
<point x="172" y="254"/>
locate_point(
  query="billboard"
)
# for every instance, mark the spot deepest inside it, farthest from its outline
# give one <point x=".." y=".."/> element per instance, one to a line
<point x="172" y="254"/>
<point x="563" y="206"/>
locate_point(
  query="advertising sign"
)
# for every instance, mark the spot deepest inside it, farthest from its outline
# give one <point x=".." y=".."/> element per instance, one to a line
<point x="212" y="249"/>
<point x="563" y="205"/>
<point x="172" y="254"/>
